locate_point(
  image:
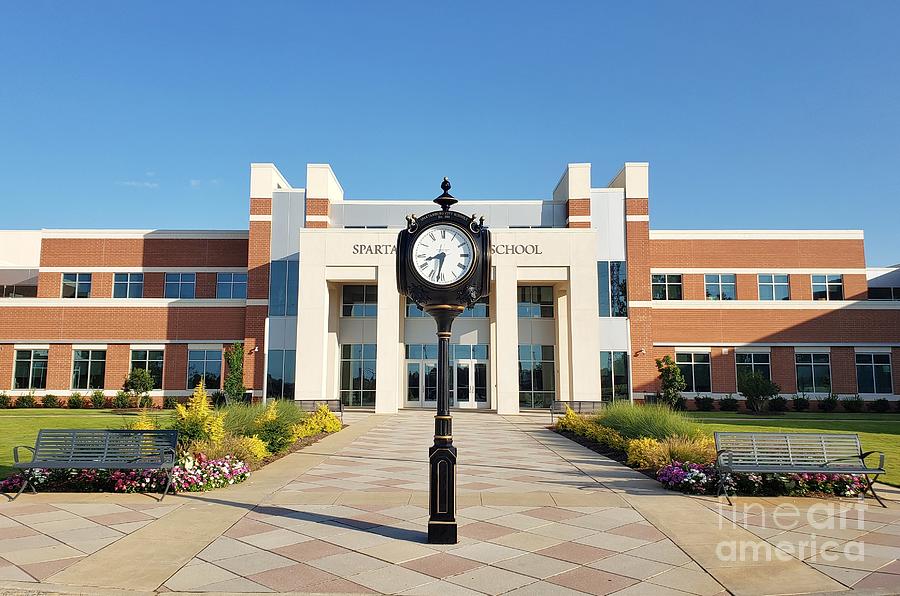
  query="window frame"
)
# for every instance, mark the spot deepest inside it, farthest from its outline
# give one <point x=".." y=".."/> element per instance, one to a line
<point x="665" y="284"/>
<point x="532" y="361"/>
<point x="871" y="366"/>
<point x="691" y="383"/>
<point x="81" y="279"/>
<point x="91" y="361"/>
<point x="129" y="284"/>
<point x="31" y="368"/>
<point x="753" y="365"/>
<point x="362" y="357"/>
<point x="718" y="281"/>
<point x="826" y="283"/>
<point x="146" y="360"/>
<point x="228" y="279"/>
<point x="206" y="360"/>
<point x="529" y="308"/>
<point x="773" y="284"/>
<point x="181" y="283"/>
<point x="609" y="383"/>
<point x="612" y="289"/>
<point x="368" y="309"/>
<point x="812" y="365"/>
<point x="287" y="364"/>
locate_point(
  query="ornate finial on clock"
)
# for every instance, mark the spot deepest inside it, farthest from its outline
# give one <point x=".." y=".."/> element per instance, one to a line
<point x="446" y="200"/>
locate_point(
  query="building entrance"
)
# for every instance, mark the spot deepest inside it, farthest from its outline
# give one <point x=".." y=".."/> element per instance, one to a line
<point x="469" y="380"/>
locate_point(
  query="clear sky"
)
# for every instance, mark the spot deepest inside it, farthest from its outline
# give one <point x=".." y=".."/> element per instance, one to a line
<point x="752" y="115"/>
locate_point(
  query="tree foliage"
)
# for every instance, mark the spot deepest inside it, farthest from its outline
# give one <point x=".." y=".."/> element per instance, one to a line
<point x="671" y="380"/>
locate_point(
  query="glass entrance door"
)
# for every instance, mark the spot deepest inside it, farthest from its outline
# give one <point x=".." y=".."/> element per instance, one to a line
<point x="470" y="376"/>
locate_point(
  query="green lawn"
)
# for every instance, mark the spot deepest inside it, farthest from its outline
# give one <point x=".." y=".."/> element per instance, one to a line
<point x="20" y="427"/>
<point x="878" y="432"/>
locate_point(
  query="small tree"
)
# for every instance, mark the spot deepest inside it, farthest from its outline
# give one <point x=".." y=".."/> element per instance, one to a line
<point x="671" y="381"/>
<point x="139" y="382"/>
<point x="757" y="389"/>
<point x="234" y="379"/>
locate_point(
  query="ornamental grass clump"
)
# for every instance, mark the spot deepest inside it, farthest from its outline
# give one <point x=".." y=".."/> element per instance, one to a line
<point x="656" y="421"/>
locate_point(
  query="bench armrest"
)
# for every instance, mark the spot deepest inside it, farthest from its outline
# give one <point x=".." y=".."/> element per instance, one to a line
<point x="863" y="457"/>
<point x="31" y="449"/>
<point x="721" y="456"/>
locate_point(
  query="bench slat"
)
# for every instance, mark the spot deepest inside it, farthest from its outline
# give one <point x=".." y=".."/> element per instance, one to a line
<point x="791" y="452"/>
<point x="103" y="449"/>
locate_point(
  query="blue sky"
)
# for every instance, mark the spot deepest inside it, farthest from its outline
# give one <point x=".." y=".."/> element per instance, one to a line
<point x="752" y="115"/>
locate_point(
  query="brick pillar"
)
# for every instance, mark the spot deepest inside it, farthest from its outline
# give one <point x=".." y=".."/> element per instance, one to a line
<point x="59" y="367"/>
<point x="801" y="286"/>
<point x="723" y="371"/>
<point x="154" y="285"/>
<point x="693" y="286"/>
<point x="784" y="371"/>
<point x="205" y="286"/>
<point x="258" y="257"/>
<point x="637" y="247"/>
<point x="102" y="285"/>
<point x="895" y="369"/>
<point x="747" y="288"/>
<point x="843" y="370"/>
<point x="7" y="358"/>
<point x="578" y="213"/>
<point x="175" y="367"/>
<point x="49" y="285"/>
<point x="118" y="365"/>
<point x="317" y="211"/>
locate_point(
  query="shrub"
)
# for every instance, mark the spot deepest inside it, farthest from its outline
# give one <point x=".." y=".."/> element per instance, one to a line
<point x="234" y="378"/>
<point x="138" y="382"/>
<point x="571" y="421"/>
<point x="98" y="400"/>
<point x="26" y="401"/>
<point x="145" y="401"/>
<point x="76" y="401"/>
<point x="607" y="437"/>
<point x="705" y="403"/>
<point x="218" y="399"/>
<point x="251" y="450"/>
<point x="688" y="477"/>
<point x="197" y="420"/>
<point x="778" y="404"/>
<point x="656" y="421"/>
<point x="671" y="380"/>
<point x="853" y="403"/>
<point x="880" y="405"/>
<point x="757" y="390"/>
<point x="275" y="430"/>
<point x="50" y="401"/>
<point x="321" y="421"/>
<point x="646" y="453"/>
<point x="123" y="400"/>
<point x="829" y="404"/>
<point x="143" y="421"/>
<point x="801" y="403"/>
<point x="700" y="449"/>
<point x="5" y="401"/>
<point x="169" y="402"/>
<point x="728" y="404"/>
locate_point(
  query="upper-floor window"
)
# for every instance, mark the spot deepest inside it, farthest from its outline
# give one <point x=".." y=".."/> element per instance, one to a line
<point x="535" y="302"/>
<point x="152" y="362"/>
<point x="828" y="287"/>
<point x="88" y="369"/>
<point x="359" y="301"/>
<point x="283" y="288"/>
<point x="128" y="285"/>
<point x="76" y="285"/>
<point x="884" y="293"/>
<point x="666" y="287"/>
<point x="479" y="310"/>
<point x="180" y="285"/>
<point x="612" y="288"/>
<point x="773" y="287"/>
<point x="720" y="286"/>
<point x="696" y="369"/>
<point x="231" y="285"/>
<point x="30" y="369"/>
<point x="873" y="373"/>
<point x="280" y="373"/>
<point x="18" y="291"/>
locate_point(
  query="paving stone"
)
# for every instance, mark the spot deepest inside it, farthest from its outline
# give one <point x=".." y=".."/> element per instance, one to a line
<point x="440" y="588"/>
<point x="113" y="519"/>
<point x="338" y="586"/>
<point x="45" y="569"/>
<point x="848" y="577"/>
<point x="16" y="531"/>
<point x="442" y="565"/>
<point x="292" y="578"/>
<point x="592" y="581"/>
<point x="537" y="566"/>
<point x="238" y="584"/>
<point x="491" y="580"/>
<point x="552" y="513"/>
<point x="397" y="551"/>
<point x="42" y="554"/>
<point x="878" y="580"/>
<point x="629" y="566"/>
<point x="576" y="553"/>
<point x="562" y="531"/>
<point x="275" y="539"/>
<point x="664" y="551"/>
<point x="519" y="521"/>
<point x="193" y="576"/>
<point x="527" y="541"/>
<point x="687" y="580"/>
<point x="348" y="564"/>
<point x="310" y="550"/>
<point x="543" y="588"/>
<point x="225" y="548"/>
<point x="484" y="531"/>
<point x="614" y="542"/>
<point x="254" y="563"/>
<point x="391" y="579"/>
<point x="13" y="545"/>
<point x="485" y="552"/>
<point x="640" y="530"/>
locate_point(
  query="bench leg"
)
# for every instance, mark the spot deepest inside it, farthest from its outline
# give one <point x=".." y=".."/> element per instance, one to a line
<point x="27" y="483"/>
<point x="870" y="488"/>
<point x="168" y="484"/>
<point x="723" y="488"/>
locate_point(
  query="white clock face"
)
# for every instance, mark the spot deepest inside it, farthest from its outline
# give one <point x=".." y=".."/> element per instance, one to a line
<point x="443" y="255"/>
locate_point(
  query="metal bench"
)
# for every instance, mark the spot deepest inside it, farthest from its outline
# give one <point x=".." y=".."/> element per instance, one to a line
<point x="794" y="453"/>
<point x="100" y="450"/>
<point x="579" y="407"/>
<point x="309" y="405"/>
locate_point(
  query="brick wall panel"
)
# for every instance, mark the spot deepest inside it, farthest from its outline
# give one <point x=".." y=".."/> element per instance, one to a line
<point x="59" y="367"/>
<point x="841" y="254"/>
<point x="723" y="371"/>
<point x="261" y="206"/>
<point x="843" y="370"/>
<point x="49" y="285"/>
<point x="895" y="369"/>
<point x="637" y="207"/>
<point x="259" y="254"/>
<point x="254" y="370"/>
<point x="154" y="285"/>
<point x="800" y="286"/>
<point x="102" y="285"/>
<point x="856" y="287"/>
<point x="7" y="364"/>
<point x="118" y="365"/>
<point x="783" y="368"/>
<point x="175" y="367"/>
<point x="693" y="286"/>
<point x="747" y="287"/>
<point x="150" y="252"/>
<point x="206" y="285"/>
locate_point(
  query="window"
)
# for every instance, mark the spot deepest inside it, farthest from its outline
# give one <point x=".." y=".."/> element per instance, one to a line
<point x="180" y="285"/>
<point x="752" y="362"/>
<point x="666" y="287"/>
<point x="612" y="288"/>
<point x="695" y="367"/>
<point x="813" y="373"/>
<point x="128" y="285"/>
<point x="206" y="366"/>
<point x="231" y="285"/>
<point x="613" y="376"/>
<point x="773" y="287"/>
<point x="535" y="302"/>
<point x="359" y="301"/>
<point x="873" y="373"/>
<point x="828" y="287"/>
<point x="281" y="374"/>
<point x="480" y="310"/>
<point x="884" y="293"/>
<point x="283" y="288"/>
<point x="537" y="376"/>
<point x="30" y="369"/>
<point x="76" y="285"/>
<point x="18" y="291"/>
<point x="88" y="369"/>
<point x="151" y="361"/>
<point x="358" y="374"/>
<point x="720" y="286"/>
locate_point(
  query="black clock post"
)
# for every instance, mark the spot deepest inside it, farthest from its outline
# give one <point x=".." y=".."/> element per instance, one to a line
<point x="443" y="265"/>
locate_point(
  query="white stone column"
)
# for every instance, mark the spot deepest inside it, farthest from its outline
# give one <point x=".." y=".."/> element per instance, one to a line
<point x="584" y="357"/>
<point x="563" y="346"/>
<point x="387" y="383"/>
<point x="312" y="322"/>
<point x="506" y="350"/>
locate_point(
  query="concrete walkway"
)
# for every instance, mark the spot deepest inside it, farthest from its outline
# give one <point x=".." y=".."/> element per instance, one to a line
<point x="538" y="514"/>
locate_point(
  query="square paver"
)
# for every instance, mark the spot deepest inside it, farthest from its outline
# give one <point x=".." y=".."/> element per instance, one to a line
<point x="485" y="552"/>
<point x="225" y="548"/>
<point x="527" y="541"/>
<point x="255" y="563"/>
<point x="275" y="539"/>
<point x="442" y="565"/>
<point x="348" y="564"/>
<point x="552" y="513"/>
<point x="389" y="580"/>
<point x="614" y="542"/>
<point x="193" y="576"/>
<point x="491" y="580"/>
<point x="688" y="580"/>
<point x="292" y="578"/>
<point x="310" y="550"/>
<point x="537" y="566"/>
<point x="481" y="530"/>
<point x="592" y="581"/>
<point x="576" y="553"/>
<point x="633" y="567"/>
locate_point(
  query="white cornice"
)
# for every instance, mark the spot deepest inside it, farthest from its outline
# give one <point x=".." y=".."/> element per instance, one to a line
<point x="765" y="305"/>
<point x="149" y="234"/>
<point x="90" y="269"/>
<point x="759" y="270"/>
<point x="756" y="234"/>
<point x="120" y="303"/>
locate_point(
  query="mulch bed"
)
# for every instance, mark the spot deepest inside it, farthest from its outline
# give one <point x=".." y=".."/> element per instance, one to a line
<point x="618" y="456"/>
<point x="300" y="444"/>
